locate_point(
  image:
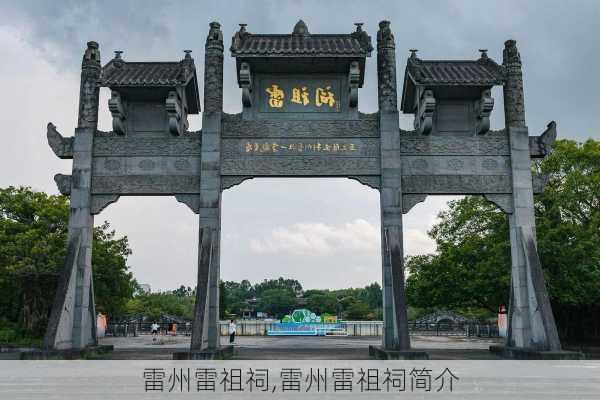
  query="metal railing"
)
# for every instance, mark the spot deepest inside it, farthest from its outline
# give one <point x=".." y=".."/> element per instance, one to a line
<point x="353" y="328"/>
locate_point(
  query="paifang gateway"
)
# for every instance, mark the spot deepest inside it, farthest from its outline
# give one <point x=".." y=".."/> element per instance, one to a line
<point x="300" y="118"/>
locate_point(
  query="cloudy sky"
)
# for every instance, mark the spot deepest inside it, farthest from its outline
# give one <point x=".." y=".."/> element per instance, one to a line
<point x="324" y="232"/>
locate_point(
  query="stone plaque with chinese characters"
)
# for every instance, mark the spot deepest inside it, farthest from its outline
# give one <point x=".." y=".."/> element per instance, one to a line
<point x="300" y="96"/>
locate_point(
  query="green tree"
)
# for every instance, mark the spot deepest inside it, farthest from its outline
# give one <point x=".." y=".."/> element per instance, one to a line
<point x="472" y="264"/>
<point x="358" y="311"/>
<point x="277" y="302"/>
<point x="33" y="233"/>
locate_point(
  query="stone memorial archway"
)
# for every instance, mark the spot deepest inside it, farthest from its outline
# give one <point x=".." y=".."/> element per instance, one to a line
<point x="300" y="118"/>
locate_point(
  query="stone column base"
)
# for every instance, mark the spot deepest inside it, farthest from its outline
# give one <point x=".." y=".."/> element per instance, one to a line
<point x="380" y="353"/>
<point x="90" y="353"/>
<point x="518" y="353"/>
<point x="221" y="353"/>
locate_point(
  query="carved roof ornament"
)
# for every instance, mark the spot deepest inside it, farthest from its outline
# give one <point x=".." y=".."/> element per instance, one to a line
<point x="511" y="54"/>
<point x="92" y="54"/>
<point x="300" y="29"/>
<point x="385" y="37"/>
<point x="214" y="40"/>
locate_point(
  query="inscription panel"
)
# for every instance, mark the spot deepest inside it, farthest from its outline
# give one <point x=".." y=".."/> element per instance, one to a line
<point x="274" y="147"/>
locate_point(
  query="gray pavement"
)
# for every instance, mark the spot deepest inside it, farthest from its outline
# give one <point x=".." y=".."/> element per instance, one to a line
<point x="302" y="347"/>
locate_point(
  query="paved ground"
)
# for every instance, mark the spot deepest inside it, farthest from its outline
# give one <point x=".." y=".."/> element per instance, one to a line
<point x="303" y="347"/>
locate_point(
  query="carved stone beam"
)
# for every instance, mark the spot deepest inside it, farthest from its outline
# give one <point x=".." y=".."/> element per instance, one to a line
<point x="486" y="105"/>
<point x="411" y="200"/>
<point x="63" y="182"/>
<point x="101" y="201"/>
<point x="424" y="117"/>
<point x="118" y="111"/>
<point x="61" y="146"/>
<point x="174" y="114"/>
<point x="353" y="82"/>
<point x="190" y="200"/>
<point x="541" y="146"/>
<point x="503" y="201"/>
<point x="246" y="84"/>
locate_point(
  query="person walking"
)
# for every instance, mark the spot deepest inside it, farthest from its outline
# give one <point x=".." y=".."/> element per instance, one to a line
<point x="232" y="330"/>
<point x="154" y="330"/>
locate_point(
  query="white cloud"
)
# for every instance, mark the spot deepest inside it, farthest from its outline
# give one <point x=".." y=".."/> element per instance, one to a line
<point x="318" y="239"/>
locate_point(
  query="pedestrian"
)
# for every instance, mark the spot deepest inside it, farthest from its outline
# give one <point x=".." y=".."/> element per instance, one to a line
<point x="232" y="329"/>
<point x="154" y="330"/>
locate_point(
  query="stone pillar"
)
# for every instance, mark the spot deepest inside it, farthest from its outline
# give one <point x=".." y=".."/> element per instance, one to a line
<point x="395" y="329"/>
<point x="205" y="332"/>
<point x="530" y="320"/>
<point x="72" y="323"/>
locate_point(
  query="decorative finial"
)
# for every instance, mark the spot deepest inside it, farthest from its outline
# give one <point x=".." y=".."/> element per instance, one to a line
<point x="301" y="29"/>
<point x="243" y="27"/>
<point x="359" y="26"/>
<point x="118" y="54"/>
<point x="483" y="53"/>
<point x="413" y="53"/>
<point x="188" y="54"/>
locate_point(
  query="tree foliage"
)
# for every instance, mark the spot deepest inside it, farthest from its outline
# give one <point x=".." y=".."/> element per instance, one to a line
<point x="472" y="265"/>
<point x="33" y="235"/>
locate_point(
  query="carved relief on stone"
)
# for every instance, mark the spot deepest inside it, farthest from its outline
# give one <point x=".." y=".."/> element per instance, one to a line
<point x="63" y="182"/>
<point x="455" y="164"/>
<point x="89" y="89"/>
<point x="231" y="181"/>
<point x="118" y="110"/>
<point x="147" y="165"/>
<point x="411" y="200"/>
<point x="353" y="82"/>
<point x="112" y="164"/>
<point x="365" y="126"/>
<point x="495" y="143"/>
<point x="386" y="68"/>
<point x="246" y="84"/>
<point x="190" y="200"/>
<point x="176" y="118"/>
<point x="213" y="70"/>
<point x="374" y="182"/>
<point x="490" y="164"/>
<point x="182" y="164"/>
<point x="485" y="107"/>
<point x="424" y="117"/>
<point x="61" y="146"/>
<point x="187" y="145"/>
<point x="100" y="202"/>
<point x="503" y="201"/>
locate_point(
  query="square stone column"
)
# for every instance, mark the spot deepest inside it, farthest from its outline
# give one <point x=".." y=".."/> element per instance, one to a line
<point x="395" y="321"/>
<point x="531" y="324"/>
<point x="72" y="323"/>
<point x="205" y="331"/>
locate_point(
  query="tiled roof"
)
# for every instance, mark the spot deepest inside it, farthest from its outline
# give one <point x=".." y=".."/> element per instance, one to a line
<point x="482" y="72"/>
<point x="301" y="43"/>
<point x="121" y="73"/>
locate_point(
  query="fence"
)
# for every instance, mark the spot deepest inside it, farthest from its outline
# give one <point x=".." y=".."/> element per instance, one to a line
<point x="353" y="328"/>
